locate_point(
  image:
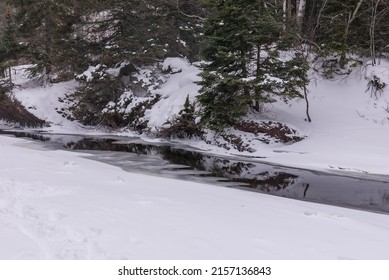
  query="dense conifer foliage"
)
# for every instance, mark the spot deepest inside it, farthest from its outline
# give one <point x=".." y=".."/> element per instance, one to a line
<point x="251" y="58"/>
<point x="253" y="51"/>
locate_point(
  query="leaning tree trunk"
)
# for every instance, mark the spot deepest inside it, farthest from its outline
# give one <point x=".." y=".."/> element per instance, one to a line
<point x="351" y="18"/>
<point x="317" y="24"/>
<point x="307" y="104"/>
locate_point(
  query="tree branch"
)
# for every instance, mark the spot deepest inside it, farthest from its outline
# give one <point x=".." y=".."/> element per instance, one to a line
<point x="176" y="3"/>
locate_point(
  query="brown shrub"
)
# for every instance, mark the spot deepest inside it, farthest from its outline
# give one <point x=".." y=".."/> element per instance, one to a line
<point x="12" y="111"/>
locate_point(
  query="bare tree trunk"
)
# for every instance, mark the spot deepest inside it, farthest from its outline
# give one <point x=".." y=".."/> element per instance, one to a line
<point x="301" y="12"/>
<point x="307" y="103"/>
<point x="287" y="9"/>
<point x="318" y="18"/>
<point x="351" y="18"/>
<point x="48" y="39"/>
<point x="374" y="8"/>
<point x="10" y="75"/>
<point x="258" y="62"/>
<point x="284" y="4"/>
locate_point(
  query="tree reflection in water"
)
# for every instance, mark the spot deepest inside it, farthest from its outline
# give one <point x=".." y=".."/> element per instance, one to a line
<point x="250" y="175"/>
<point x="179" y="162"/>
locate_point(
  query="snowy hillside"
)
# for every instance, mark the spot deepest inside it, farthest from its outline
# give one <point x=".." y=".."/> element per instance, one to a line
<point x="349" y="127"/>
<point x="348" y="131"/>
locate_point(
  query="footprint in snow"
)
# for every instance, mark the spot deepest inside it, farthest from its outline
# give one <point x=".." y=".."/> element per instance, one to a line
<point x="69" y="164"/>
<point x="310" y="213"/>
<point x="119" y="179"/>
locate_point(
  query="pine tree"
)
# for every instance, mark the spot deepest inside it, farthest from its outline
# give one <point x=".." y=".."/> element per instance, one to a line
<point x="8" y="43"/>
<point x="46" y="29"/>
<point x="9" y="47"/>
<point x="141" y="31"/>
<point x="247" y="50"/>
<point x="225" y="91"/>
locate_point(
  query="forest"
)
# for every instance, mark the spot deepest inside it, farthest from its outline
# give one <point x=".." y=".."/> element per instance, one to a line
<point x="250" y="52"/>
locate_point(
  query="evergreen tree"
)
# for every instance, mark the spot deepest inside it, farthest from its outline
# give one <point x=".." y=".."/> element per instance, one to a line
<point x="8" y="44"/>
<point x="132" y="33"/>
<point x="225" y="91"/>
<point x="46" y="28"/>
<point x="246" y="50"/>
<point x="9" y="47"/>
<point x="151" y="31"/>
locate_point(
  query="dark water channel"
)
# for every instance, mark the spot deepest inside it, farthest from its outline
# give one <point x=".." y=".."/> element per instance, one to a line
<point x="167" y="160"/>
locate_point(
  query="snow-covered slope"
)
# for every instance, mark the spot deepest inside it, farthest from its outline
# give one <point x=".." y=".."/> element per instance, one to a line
<point x="45" y="102"/>
<point x="348" y="132"/>
<point x="179" y="86"/>
<point x="349" y="128"/>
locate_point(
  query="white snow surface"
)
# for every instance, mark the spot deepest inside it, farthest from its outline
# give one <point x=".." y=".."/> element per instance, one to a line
<point x="179" y="86"/>
<point x="349" y="128"/>
<point x="60" y="205"/>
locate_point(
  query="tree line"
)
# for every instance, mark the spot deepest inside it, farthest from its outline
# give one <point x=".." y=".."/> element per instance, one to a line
<point x="256" y="51"/>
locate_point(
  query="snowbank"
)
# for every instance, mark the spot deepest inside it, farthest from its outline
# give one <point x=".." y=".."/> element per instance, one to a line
<point x="60" y="205"/>
<point x="179" y="86"/>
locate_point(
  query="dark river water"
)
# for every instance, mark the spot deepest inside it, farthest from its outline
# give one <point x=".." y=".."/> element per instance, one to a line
<point x="180" y="162"/>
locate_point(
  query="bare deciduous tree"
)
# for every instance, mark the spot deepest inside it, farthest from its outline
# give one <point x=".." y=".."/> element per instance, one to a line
<point x="374" y="7"/>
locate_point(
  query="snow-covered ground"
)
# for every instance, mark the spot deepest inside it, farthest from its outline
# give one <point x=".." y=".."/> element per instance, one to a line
<point x="59" y="205"/>
<point x="349" y="129"/>
<point x="348" y="132"/>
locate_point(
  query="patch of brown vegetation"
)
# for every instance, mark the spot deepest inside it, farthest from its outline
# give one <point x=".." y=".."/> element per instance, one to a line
<point x="236" y="141"/>
<point x="276" y="130"/>
<point x="229" y="140"/>
<point x="13" y="111"/>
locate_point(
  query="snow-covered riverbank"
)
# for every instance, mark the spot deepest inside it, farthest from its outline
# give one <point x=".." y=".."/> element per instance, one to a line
<point x="58" y="205"/>
<point x="348" y="133"/>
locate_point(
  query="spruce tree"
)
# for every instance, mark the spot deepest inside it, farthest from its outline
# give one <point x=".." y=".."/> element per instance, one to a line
<point x="45" y="27"/>
<point x="9" y="47"/>
<point x="250" y="59"/>
<point x="8" y="43"/>
<point x="225" y="91"/>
